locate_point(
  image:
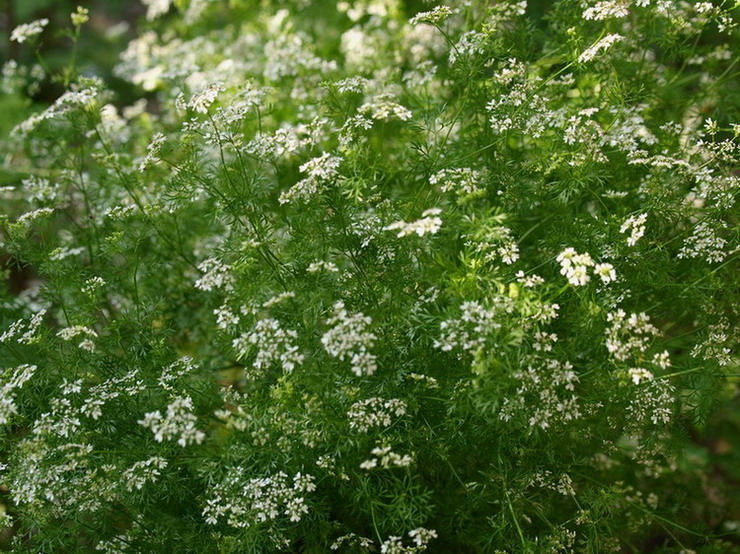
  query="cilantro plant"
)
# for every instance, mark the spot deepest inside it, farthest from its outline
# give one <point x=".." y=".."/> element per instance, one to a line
<point x="375" y="276"/>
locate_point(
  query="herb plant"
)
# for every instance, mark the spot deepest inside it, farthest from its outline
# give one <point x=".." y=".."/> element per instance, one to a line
<point x="374" y="276"/>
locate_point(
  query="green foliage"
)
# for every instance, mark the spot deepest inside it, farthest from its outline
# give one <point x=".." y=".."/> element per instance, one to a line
<point x="354" y="277"/>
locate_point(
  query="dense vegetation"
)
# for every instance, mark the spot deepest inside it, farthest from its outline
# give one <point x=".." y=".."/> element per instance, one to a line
<point x="372" y="275"/>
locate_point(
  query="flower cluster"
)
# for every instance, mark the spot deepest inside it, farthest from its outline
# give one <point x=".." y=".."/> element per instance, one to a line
<point x="465" y="182"/>
<point x="13" y="381"/>
<point x="349" y="338"/>
<point x="599" y="46"/>
<point x="575" y="268"/>
<point x="273" y="344"/>
<point x="320" y="171"/>
<point x="548" y="386"/>
<point x="243" y="502"/>
<point x="374" y="412"/>
<point x="470" y="330"/>
<point x="428" y="224"/>
<point x="143" y="472"/>
<point x="421" y="537"/>
<point x="28" y="31"/>
<point x="704" y="243"/>
<point x="385" y="458"/>
<point x="216" y="275"/>
<point x="433" y="17"/>
<point x="636" y="226"/>
<point x="178" y="422"/>
<point x="628" y="335"/>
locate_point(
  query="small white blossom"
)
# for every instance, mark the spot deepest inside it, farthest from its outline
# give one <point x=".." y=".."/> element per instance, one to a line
<point x="69" y="333"/>
<point x="216" y="274"/>
<point x="320" y="170"/>
<point x="471" y="330"/>
<point x="350" y="338"/>
<point x="528" y="281"/>
<point x="244" y="501"/>
<point x="15" y="379"/>
<point x="636" y="227"/>
<point x="638" y="374"/>
<point x="93" y="285"/>
<point x="606" y="272"/>
<point x="422" y="536"/>
<point x="382" y="108"/>
<point x="464" y="181"/>
<point x="201" y="101"/>
<point x="626" y="335"/>
<point x="599" y="46"/>
<point x="315" y="267"/>
<point x="273" y="345"/>
<point x="153" y="151"/>
<point x="428" y="224"/>
<point x="575" y="266"/>
<point x="385" y="458"/>
<point x="374" y="412"/>
<point x="607" y="9"/>
<point x="178" y="422"/>
<point x="155" y="8"/>
<point x="225" y="318"/>
<point x="704" y="243"/>
<point x="141" y="473"/>
<point x="433" y="17"/>
<point x="27" y="31"/>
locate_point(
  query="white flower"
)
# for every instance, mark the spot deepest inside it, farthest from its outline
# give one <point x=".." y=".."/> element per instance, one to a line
<point x="433" y="17"/>
<point x="225" y="318"/>
<point x="386" y="459"/>
<point x="374" y="412"/>
<point x="704" y="243"/>
<point x="606" y="272"/>
<point x="216" y="274"/>
<point x="607" y="9"/>
<point x="469" y="331"/>
<point x="244" y="501"/>
<point x="464" y="181"/>
<point x="662" y="360"/>
<point x="636" y="226"/>
<point x="428" y="224"/>
<point x="273" y="344"/>
<point x="575" y="266"/>
<point x="155" y="8"/>
<point x="35" y="214"/>
<point x="80" y="17"/>
<point x="601" y="45"/>
<point x="18" y="377"/>
<point x="153" y="151"/>
<point x="179" y="422"/>
<point x="382" y="108"/>
<point x="628" y="335"/>
<point x="350" y="338"/>
<point x="26" y="31"/>
<point x="320" y="170"/>
<point x="201" y="101"/>
<point x="143" y="472"/>
<point x="528" y="281"/>
<point x="638" y="374"/>
<point x="69" y="333"/>
<point x="315" y="267"/>
<point x="421" y="536"/>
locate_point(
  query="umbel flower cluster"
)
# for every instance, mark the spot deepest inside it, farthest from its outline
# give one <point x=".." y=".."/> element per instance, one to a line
<point x="374" y="276"/>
